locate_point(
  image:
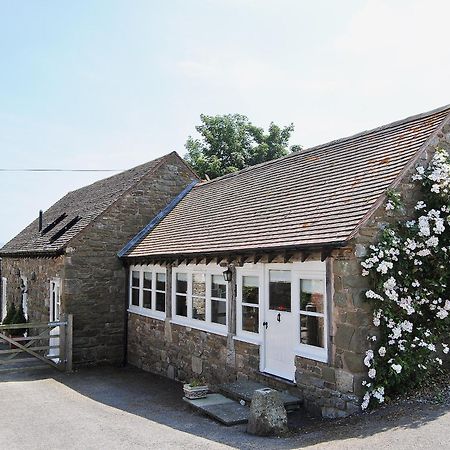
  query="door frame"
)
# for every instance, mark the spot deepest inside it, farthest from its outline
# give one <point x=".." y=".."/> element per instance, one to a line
<point x="299" y="270"/>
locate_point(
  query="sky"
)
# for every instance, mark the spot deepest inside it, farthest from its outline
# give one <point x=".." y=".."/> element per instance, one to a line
<point x="109" y="84"/>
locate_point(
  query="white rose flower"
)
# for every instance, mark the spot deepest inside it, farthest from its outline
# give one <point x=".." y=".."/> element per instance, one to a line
<point x="372" y="373"/>
<point x="382" y="351"/>
<point x="396" y="367"/>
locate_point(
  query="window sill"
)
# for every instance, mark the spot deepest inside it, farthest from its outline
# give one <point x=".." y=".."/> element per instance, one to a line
<point x="221" y="331"/>
<point x="249" y="340"/>
<point x="147" y="313"/>
<point x="309" y="352"/>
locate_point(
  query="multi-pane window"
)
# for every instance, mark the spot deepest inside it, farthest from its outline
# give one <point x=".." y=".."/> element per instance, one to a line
<point x="160" y="291"/>
<point x="200" y="296"/>
<point x="280" y="290"/>
<point x="148" y="290"/>
<point x="218" y="299"/>
<point x="312" y="317"/>
<point x="135" y="287"/>
<point x="250" y="304"/>
<point x="181" y="289"/>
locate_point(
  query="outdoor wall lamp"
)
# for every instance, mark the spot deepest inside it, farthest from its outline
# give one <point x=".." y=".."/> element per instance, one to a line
<point x="227" y="275"/>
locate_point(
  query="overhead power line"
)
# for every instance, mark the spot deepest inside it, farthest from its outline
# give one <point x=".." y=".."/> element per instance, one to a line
<point x="61" y="170"/>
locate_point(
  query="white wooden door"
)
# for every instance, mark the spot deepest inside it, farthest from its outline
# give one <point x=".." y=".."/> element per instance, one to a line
<point x="55" y="311"/>
<point x="280" y="325"/>
<point x="3" y="311"/>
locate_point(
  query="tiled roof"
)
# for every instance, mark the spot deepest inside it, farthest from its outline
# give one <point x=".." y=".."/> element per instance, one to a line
<point x="79" y="208"/>
<point x="314" y="197"/>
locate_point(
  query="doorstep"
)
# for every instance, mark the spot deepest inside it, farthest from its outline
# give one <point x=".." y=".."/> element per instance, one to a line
<point x="244" y="389"/>
<point x="220" y="408"/>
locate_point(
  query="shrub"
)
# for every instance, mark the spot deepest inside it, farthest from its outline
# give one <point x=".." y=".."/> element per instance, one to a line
<point x="409" y="273"/>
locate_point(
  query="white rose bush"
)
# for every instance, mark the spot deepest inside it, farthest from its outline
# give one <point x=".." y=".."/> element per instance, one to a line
<point x="409" y="272"/>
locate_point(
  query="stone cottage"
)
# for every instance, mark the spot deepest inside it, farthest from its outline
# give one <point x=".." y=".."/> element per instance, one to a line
<point x="66" y="260"/>
<point x="256" y="275"/>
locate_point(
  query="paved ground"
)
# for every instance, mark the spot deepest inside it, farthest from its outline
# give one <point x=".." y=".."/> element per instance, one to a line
<point x="129" y="409"/>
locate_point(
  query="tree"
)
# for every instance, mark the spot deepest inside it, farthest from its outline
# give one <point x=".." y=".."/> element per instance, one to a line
<point x="231" y="142"/>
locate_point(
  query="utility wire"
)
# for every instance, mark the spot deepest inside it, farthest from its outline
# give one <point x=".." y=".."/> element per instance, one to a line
<point x="61" y="170"/>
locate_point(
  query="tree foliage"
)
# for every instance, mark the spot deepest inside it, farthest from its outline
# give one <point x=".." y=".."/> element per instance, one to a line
<point x="230" y="142"/>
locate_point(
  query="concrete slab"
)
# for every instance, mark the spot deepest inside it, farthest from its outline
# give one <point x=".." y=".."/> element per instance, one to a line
<point x="243" y="390"/>
<point x="210" y="399"/>
<point x="220" y="408"/>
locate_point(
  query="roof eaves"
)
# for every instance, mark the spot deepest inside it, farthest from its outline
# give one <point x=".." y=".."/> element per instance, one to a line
<point x="31" y="253"/>
<point x="155" y="221"/>
<point x="401" y="175"/>
<point x="257" y="250"/>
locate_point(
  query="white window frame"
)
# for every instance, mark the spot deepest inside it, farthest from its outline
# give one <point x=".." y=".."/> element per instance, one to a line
<point x="147" y="312"/>
<point x="4" y="310"/>
<point x="241" y="272"/>
<point x="308" y="270"/>
<point x="24" y="295"/>
<point x="305" y="350"/>
<point x="56" y="282"/>
<point x="189" y="321"/>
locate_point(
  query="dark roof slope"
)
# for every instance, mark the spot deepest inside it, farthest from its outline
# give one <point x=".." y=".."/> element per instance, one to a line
<point x="76" y="210"/>
<point x="314" y="197"/>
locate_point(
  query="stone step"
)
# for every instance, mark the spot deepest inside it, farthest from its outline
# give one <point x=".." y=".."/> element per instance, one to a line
<point x="220" y="408"/>
<point x="244" y="389"/>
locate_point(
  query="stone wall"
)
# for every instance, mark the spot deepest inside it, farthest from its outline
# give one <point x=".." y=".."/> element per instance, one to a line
<point x="38" y="272"/>
<point x="185" y="353"/>
<point x="95" y="279"/>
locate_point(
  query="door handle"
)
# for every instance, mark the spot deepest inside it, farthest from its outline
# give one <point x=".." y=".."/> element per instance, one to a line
<point x="265" y="324"/>
<point x="279" y="317"/>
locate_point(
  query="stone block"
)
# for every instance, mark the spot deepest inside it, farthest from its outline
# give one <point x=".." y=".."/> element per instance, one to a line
<point x="344" y="334"/>
<point x="328" y="374"/>
<point x="268" y="415"/>
<point x="197" y="365"/>
<point x="353" y="362"/>
<point x="344" y="381"/>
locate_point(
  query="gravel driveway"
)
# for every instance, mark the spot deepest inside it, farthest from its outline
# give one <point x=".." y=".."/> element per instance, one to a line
<point x="111" y="408"/>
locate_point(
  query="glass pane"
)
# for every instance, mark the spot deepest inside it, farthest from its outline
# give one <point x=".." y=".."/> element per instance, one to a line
<point x="312" y="330"/>
<point x="181" y="305"/>
<point x="280" y="290"/>
<point x="181" y="283"/>
<point x="161" y="281"/>
<point x="198" y="284"/>
<point x="250" y="319"/>
<point x="250" y="290"/>
<point x="160" y="301"/>
<point x="135" y="296"/>
<point x="219" y="312"/>
<point x="218" y="287"/>
<point x="147" y="280"/>
<point x="147" y="299"/>
<point x="198" y="308"/>
<point x="135" y="278"/>
<point x="311" y="295"/>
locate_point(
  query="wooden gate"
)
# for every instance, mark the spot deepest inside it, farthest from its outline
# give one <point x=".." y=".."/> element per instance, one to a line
<point x="50" y="342"/>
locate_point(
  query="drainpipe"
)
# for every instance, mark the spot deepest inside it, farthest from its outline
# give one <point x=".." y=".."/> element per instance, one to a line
<point x="125" y="327"/>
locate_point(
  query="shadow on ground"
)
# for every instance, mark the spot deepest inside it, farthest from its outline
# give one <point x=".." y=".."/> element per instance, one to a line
<point x="160" y="400"/>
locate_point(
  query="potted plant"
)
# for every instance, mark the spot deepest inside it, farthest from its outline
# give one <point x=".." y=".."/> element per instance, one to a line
<point x="197" y="388"/>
